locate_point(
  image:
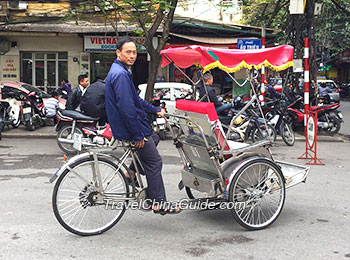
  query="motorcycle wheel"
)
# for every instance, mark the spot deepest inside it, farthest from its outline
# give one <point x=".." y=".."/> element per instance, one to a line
<point x="30" y="124"/>
<point x="287" y="134"/>
<point x="2" y="125"/>
<point x="261" y="134"/>
<point x="65" y="133"/>
<point x="42" y="122"/>
<point x="16" y="125"/>
<point x="161" y="134"/>
<point x="335" y="128"/>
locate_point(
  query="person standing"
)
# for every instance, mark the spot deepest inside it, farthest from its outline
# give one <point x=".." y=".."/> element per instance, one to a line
<point x="93" y="101"/>
<point x="74" y="97"/>
<point x="126" y="113"/>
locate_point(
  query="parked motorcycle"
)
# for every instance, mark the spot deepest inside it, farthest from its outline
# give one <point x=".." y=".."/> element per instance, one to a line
<point x="329" y="118"/>
<point x="77" y="131"/>
<point x="10" y="112"/>
<point x="276" y="113"/>
<point x="34" y="111"/>
<point x="344" y="90"/>
<point x="248" y="125"/>
<point x="158" y="123"/>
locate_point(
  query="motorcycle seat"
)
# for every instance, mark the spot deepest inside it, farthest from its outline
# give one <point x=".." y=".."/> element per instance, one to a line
<point x="78" y="115"/>
<point x="318" y="108"/>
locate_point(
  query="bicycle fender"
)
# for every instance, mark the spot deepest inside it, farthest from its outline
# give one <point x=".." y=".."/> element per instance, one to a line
<point x="74" y="159"/>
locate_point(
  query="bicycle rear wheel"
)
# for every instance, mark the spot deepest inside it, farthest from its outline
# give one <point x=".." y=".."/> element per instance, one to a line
<point x="77" y="202"/>
<point x="258" y="193"/>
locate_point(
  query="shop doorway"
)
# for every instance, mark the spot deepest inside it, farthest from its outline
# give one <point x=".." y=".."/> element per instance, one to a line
<point x="101" y="63"/>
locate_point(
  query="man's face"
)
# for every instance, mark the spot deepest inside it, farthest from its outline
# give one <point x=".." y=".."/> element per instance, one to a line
<point x="128" y="54"/>
<point x="85" y="82"/>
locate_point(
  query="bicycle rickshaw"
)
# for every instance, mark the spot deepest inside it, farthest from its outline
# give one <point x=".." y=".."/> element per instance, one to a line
<point x="215" y="168"/>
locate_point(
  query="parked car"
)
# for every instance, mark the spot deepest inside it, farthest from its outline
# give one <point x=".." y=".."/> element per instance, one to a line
<point x="20" y="90"/>
<point x="334" y="95"/>
<point x="171" y="91"/>
<point x="278" y="82"/>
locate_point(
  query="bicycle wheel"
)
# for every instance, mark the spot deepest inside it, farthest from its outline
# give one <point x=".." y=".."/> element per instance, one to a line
<point x="66" y="133"/>
<point x="258" y="193"/>
<point x="77" y="202"/>
<point x="287" y="134"/>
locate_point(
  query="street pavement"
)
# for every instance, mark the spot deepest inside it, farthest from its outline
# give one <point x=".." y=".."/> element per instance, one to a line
<point x="314" y="223"/>
<point x="49" y="131"/>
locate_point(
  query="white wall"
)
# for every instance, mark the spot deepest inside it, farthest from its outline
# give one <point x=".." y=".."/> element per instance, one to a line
<point x="209" y="10"/>
<point x="73" y="44"/>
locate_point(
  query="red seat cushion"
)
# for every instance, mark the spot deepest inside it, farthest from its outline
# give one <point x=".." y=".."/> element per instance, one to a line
<point x="206" y="108"/>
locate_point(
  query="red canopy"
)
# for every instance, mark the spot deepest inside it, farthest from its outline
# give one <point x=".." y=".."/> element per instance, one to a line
<point x="230" y="60"/>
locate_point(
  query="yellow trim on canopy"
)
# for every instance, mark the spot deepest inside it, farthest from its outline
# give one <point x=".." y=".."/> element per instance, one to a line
<point x="243" y="64"/>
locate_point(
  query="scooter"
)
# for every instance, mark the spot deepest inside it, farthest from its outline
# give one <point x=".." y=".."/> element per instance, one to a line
<point x="77" y="131"/>
<point x="329" y="118"/>
<point x="10" y="112"/>
<point x="34" y="111"/>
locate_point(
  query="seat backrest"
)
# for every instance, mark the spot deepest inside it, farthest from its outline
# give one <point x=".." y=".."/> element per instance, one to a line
<point x="208" y="108"/>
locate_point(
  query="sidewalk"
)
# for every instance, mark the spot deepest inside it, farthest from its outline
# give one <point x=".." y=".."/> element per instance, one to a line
<point x="49" y="132"/>
<point x="22" y="132"/>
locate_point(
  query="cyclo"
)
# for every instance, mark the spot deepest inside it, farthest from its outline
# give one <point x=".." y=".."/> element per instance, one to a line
<point x="215" y="168"/>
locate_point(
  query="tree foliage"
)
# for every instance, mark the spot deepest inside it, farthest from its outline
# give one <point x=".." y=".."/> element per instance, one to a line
<point x="332" y="26"/>
<point x="150" y="16"/>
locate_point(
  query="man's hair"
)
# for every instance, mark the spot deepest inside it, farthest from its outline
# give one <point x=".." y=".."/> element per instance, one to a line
<point x="54" y="93"/>
<point x="81" y="77"/>
<point x="207" y="76"/>
<point x="122" y="41"/>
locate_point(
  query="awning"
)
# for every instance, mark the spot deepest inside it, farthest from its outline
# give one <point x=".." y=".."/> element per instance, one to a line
<point x="209" y="40"/>
<point x="276" y="58"/>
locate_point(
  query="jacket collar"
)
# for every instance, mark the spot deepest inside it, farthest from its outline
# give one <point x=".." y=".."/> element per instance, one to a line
<point x="122" y="65"/>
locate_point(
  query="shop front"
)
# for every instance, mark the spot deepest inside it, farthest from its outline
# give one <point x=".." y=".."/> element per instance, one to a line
<point x="100" y="53"/>
<point x="41" y="59"/>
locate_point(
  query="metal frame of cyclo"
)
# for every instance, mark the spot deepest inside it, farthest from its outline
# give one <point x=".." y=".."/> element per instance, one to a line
<point x="251" y="75"/>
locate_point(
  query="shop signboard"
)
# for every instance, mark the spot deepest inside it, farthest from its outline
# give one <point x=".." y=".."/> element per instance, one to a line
<point x="108" y="43"/>
<point x="248" y="44"/>
<point x="9" y="67"/>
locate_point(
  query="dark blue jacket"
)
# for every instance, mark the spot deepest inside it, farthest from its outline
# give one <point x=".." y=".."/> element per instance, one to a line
<point x="126" y="111"/>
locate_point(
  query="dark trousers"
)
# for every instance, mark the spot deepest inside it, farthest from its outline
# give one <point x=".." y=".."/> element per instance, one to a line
<point x="152" y="164"/>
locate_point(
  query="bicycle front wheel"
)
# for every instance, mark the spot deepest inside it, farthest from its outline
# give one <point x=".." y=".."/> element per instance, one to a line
<point x="84" y="208"/>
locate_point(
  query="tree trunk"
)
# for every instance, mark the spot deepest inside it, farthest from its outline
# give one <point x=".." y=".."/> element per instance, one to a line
<point x="153" y="66"/>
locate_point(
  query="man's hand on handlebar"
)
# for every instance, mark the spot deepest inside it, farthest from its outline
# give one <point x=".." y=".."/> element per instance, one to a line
<point x="140" y="144"/>
<point x="161" y="113"/>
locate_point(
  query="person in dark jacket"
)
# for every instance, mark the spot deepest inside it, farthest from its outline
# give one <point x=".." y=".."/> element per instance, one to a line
<point x="93" y="101"/>
<point x="126" y="113"/>
<point x="271" y="91"/>
<point x="74" y="97"/>
<point x="207" y="94"/>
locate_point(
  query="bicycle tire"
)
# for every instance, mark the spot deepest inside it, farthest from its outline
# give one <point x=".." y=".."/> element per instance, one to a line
<point x="86" y="197"/>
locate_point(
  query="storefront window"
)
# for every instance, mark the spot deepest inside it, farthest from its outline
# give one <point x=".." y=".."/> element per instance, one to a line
<point x="49" y="68"/>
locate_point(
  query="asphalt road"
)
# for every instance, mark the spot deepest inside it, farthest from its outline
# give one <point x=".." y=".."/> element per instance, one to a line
<point x="314" y="223"/>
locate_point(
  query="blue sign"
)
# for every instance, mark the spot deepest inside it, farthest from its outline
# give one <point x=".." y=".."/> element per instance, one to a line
<point x="248" y="44"/>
